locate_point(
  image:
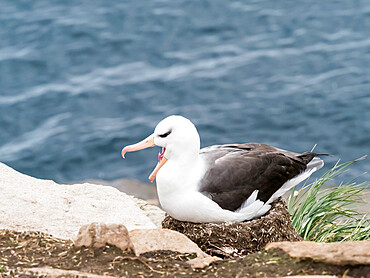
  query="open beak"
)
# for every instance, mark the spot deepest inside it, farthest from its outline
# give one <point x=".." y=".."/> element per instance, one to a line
<point x="146" y="143"/>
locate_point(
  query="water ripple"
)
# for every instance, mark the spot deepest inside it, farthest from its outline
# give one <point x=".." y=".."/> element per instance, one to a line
<point x="80" y="79"/>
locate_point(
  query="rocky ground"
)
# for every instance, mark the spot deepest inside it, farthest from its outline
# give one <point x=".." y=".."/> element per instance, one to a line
<point x="32" y="254"/>
<point x="39" y="220"/>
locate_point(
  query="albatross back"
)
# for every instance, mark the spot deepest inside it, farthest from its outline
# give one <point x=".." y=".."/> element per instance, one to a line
<point x="236" y="170"/>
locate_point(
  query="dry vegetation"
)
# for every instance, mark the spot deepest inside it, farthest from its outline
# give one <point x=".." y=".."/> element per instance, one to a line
<point x="33" y="249"/>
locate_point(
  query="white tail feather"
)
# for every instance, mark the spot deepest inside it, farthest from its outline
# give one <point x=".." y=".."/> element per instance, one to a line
<point x="249" y="212"/>
<point x="314" y="165"/>
<point x="251" y="199"/>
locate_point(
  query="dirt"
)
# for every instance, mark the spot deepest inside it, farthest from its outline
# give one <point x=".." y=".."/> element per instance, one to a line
<point x="228" y="240"/>
<point x="20" y="250"/>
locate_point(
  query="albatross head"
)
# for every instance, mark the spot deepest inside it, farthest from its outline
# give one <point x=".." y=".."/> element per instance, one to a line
<point x="178" y="138"/>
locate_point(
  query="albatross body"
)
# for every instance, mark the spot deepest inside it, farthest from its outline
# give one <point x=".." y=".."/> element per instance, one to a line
<point x="221" y="183"/>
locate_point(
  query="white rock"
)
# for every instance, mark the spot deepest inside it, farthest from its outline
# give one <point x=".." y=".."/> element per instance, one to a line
<point x="153" y="212"/>
<point x="28" y="203"/>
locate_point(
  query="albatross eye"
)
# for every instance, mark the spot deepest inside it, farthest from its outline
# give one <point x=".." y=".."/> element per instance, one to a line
<point x="165" y="134"/>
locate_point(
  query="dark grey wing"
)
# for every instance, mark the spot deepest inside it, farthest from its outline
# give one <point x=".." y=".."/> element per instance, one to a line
<point x="235" y="171"/>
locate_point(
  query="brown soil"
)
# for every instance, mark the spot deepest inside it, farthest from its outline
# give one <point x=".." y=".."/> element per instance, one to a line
<point x="238" y="239"/>
<point x="34" y="249"/>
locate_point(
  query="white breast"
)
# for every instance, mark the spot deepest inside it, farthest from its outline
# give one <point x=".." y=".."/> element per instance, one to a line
<point x="175" y="180"/>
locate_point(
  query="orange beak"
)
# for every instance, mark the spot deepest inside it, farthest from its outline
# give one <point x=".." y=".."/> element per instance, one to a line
<point x="146" y="143"/>
<point x="156" y="169"/>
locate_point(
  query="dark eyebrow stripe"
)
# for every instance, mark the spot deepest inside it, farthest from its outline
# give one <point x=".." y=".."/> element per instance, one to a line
<point x="165" y="134"/>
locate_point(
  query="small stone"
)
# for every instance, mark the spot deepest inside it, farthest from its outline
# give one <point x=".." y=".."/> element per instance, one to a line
<point x="99" y="234"/>
<point x="202" y="262"/>
<point x="147" y="240"/>
<point x="339" y="253"/>
<point x="241" y="238"/>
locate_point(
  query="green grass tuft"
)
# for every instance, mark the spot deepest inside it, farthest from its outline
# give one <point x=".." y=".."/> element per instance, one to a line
<point x="328" y="215"/>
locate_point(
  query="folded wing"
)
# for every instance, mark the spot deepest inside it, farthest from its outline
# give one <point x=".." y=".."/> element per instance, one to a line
<point x="236" y="171"/>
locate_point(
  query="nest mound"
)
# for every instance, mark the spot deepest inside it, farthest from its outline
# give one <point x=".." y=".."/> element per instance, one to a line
<point x="238" y="239"/>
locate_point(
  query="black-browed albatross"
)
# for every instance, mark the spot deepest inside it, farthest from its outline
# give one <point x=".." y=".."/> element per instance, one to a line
<point x="221" y="183"/>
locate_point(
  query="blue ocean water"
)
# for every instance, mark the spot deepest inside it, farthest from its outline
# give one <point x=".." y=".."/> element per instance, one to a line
<point x="81" y="79"/>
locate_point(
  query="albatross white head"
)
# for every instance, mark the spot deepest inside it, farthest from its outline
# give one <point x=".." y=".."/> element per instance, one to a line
<point x="178" y="138"/>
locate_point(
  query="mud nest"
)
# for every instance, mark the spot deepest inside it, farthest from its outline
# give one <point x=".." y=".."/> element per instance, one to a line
<point x="238" y="239"/>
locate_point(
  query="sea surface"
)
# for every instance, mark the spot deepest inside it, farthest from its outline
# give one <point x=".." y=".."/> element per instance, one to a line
<point x="81" y="79"/>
